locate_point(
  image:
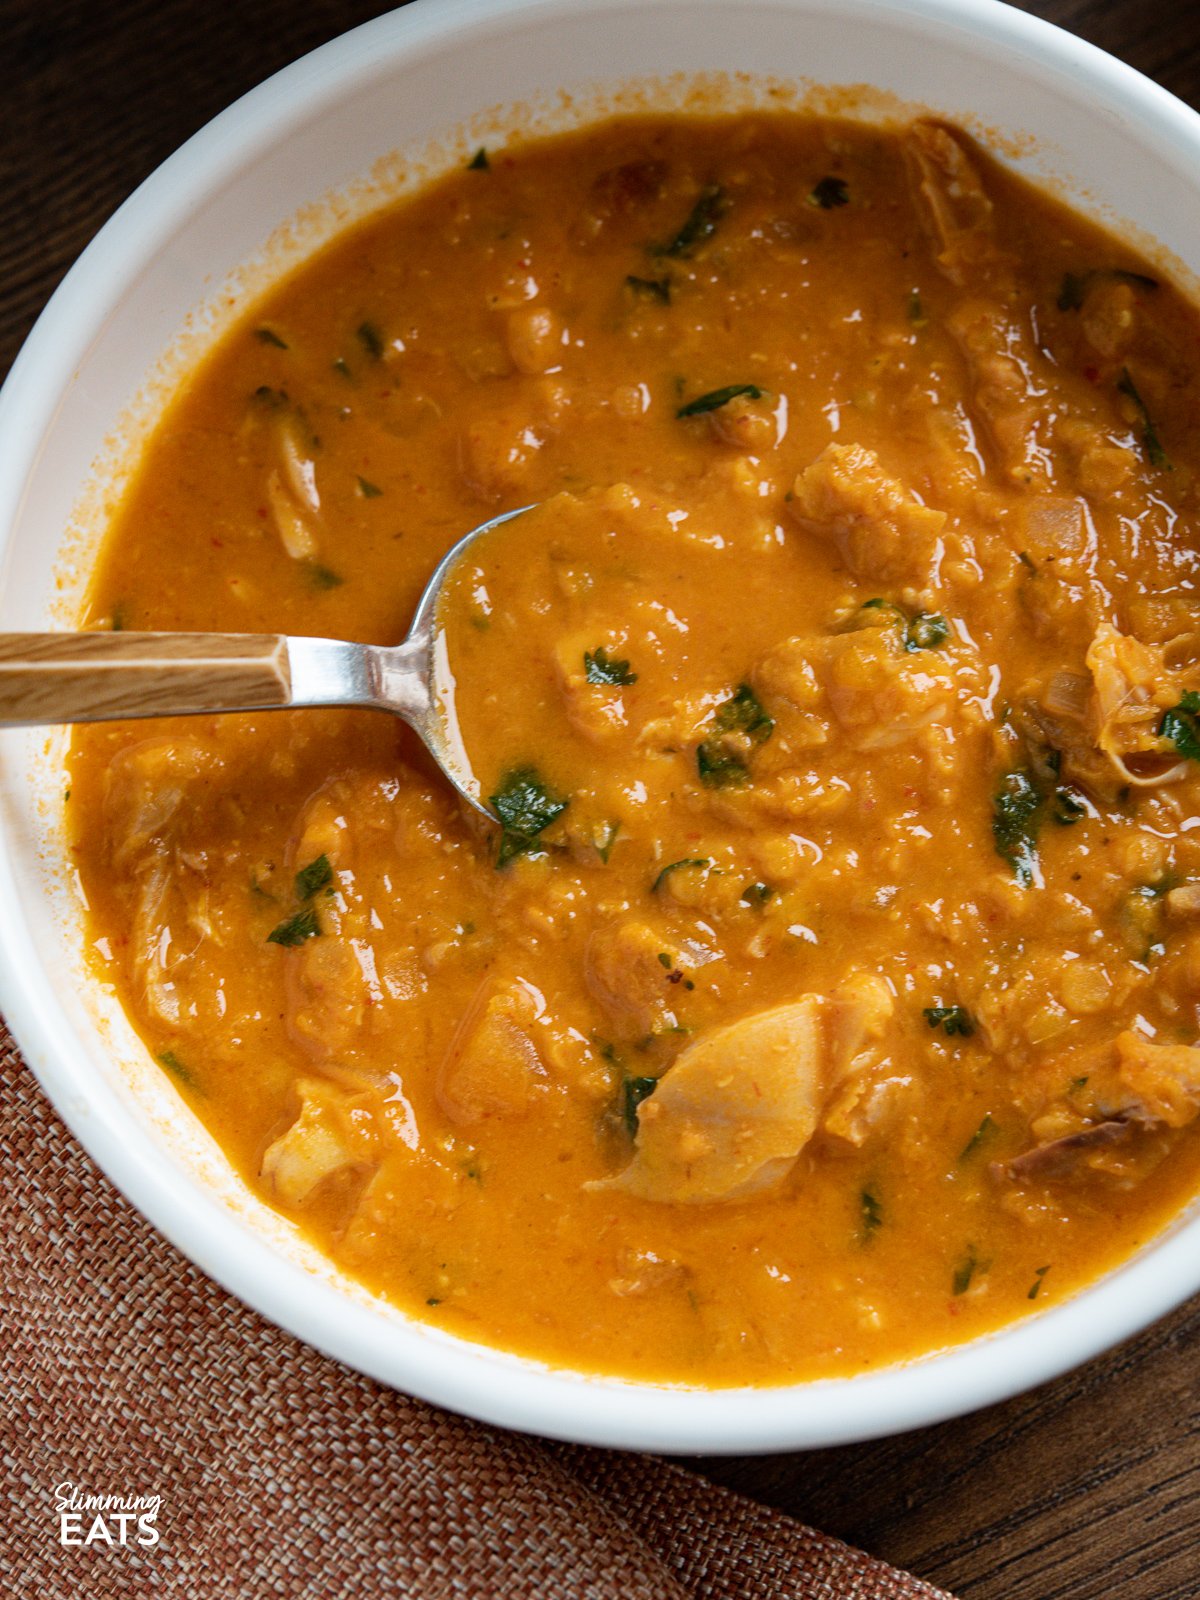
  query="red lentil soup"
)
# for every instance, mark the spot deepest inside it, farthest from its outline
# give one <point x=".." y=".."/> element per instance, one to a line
<point x="826" y="993"/>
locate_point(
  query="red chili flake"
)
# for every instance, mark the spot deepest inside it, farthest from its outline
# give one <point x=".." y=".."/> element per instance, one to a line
<point x="1092" y="374"/>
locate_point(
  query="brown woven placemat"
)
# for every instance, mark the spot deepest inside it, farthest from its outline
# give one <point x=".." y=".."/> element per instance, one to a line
<point x="126" y="1372"/>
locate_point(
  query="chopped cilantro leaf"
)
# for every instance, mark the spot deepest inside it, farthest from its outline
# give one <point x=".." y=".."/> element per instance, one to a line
<point x="870" y="1214"/>
<point x="829" y="192"/>
<point x="1014" y="823"/>
<point x="322" y="577"/>
<point x="1038" y="1278"/>
<point x="716" y="398"/>
<point x="316" y="875"/>
<point x="479" y="161"/>
<point x="650" y="288"/>
<point x="600" y="667"/>
<point x="925" y="631"/>
<point x="526" y="807"/>
<point x="951" y="1019"/>
<point x="368" y="490"/>
<point x="965" y="1271"/>
<point x="1069" y="806"/>
<point x="756" y="894"/>
<point x="297" y="929"/>
<point x="701" y="223"/>
<point x="370" y="338"/>
<point x="1155" y="453"/>
<point x="171" y="1061"/>
<point x="633" y="1092"/>
<point x="1181" y="727"/>
<point x="737" y="724"/>
<point x="676" y="866"/>
<point x="982" y="1133"/>
<point x="269" y="336"/>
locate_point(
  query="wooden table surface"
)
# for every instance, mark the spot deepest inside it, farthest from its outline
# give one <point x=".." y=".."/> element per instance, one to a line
<point x="1090" y="1486"/>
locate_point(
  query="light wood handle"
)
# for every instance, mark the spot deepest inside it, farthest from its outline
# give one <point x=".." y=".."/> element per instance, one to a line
<point x="93" y="677"/>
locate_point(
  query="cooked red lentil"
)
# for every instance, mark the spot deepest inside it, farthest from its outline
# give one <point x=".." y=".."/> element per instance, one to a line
<point x="828" y="993"/>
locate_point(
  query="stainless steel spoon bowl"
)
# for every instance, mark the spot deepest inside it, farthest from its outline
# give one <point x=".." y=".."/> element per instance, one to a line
<point x="105" y="677"/>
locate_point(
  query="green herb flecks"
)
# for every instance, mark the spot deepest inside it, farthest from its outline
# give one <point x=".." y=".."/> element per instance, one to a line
<point x="342" y="367"/>
<point x="315" y="876"/>
<point x="1069" y="806"/>
<point x="369" y="490"/>
<point x="1039" y="1277"/>
<point x="1180" y="726"/>
<point x="117" y="623"/>
<point x="737" y="725"/>
<point x="701" y="223"/>
<point x="983" y="1133"/>
<point x="951" y="1019"/>
<point x="526" y="806"/>
<point x="633" y="1092"/>
<point x="177" y="1069"/>
<point x="829" y="193"/>
<point x="322" y="577"/>
<point x="916" y="309"/>
<point x="716" y="398"/>
<point x="965" y="1272"/>
<point x="304" y="925"/>
<point x="371" y="339"/>
<point x="756" y="894"/>
<point x="268" y="399"/>
<point x="600" y="667"/>
<point x="269" y="336"/>
<point x="870" y="1215"/>
<point x="1073" y="290"/>
<point x="650" y="288"/>
<point x="925" y="631"/>
<point x="479" y="161"/>
<point x="604" y="838"/>
<point x="1151" y="444"/>
<point x="678" y="866"/>
<point x="1015" y="807"/>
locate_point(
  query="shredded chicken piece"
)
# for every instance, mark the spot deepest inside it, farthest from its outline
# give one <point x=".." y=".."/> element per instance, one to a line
<point x="493" y="1067"/>
<point x="331" y="1134"/>
<point x="732" y="1114"/>
<point x="1129" y="679"/>
<point x="953" y="202"/>
<point x="1146" y="1088"/>
<point x="625" y="975"/>
<point x="881" y="530"/>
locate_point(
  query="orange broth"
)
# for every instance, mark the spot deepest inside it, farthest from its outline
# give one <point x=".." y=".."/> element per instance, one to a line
<point x="829" y="993"/>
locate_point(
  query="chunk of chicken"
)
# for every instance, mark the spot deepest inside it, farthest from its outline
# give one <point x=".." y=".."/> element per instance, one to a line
<point x="331" y="1134"/>
<point x="881" y="694"/>
<point x="730" y="1117"/>
<point x="1132" y="689"/>
<point x="952" y="202"/>
<point x="1104" y="723"/>
<point x="733" y="1113"/>
<point x="1145" y="1088"/>
<point x="493" y="1067"/>
<point x="145" y="788"/>
<point x="624" y="973"/>
<point x="881" y="530"/>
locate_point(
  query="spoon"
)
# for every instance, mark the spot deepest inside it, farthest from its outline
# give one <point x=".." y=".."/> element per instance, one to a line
<point x="106" y="677"/>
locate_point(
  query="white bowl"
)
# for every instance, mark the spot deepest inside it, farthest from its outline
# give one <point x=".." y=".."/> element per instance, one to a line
<point x="190" y="245"/>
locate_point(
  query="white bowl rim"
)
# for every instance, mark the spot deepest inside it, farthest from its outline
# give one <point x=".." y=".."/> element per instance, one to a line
<point x="488" y="1385"/>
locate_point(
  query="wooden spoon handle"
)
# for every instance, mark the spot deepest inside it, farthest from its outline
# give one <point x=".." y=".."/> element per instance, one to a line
<point x="92" y="677"/>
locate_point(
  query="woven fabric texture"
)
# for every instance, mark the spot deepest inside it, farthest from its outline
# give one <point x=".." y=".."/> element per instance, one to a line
<point x="126" y="1372"/>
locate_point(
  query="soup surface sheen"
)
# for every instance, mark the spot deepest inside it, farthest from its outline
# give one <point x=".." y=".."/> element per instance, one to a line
<point x="830" y="993"/>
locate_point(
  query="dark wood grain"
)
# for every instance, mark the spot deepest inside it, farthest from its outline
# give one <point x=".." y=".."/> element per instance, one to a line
<point x="1090" y="1486"/>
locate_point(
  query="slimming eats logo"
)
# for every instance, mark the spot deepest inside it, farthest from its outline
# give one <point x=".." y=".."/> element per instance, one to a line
<point x="114" y="1519"/>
